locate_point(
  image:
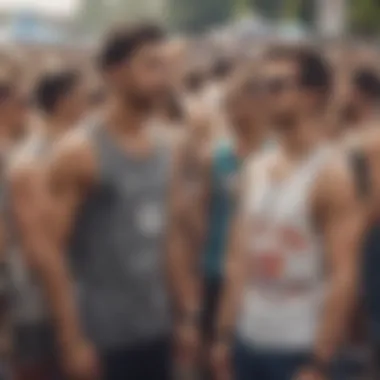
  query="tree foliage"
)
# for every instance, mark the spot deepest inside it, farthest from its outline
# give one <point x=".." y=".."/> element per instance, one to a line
<point x="307" y="11"/>
<point x="199" y="15"/>
<point x="270" y="9"/>
<point x="365" y="16"/>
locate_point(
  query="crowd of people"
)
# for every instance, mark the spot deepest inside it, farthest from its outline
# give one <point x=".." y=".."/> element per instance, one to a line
<point x="166" y="216"/>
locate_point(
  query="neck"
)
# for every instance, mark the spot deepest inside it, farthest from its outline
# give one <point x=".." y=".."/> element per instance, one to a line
<point x="124" y="118"/>
<point x="56" y="126"/>
<point x="247" y="144"/>
<point x="298" y="142"/>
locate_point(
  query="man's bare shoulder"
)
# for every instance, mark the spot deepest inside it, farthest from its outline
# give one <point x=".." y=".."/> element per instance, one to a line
<point x="336" y="181"/>
<point x="22" y="163"/>
<point x="367" y="140"/>
<point x="73" y="152"/>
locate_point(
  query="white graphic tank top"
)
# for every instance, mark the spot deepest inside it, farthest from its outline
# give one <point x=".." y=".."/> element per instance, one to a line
<point x="285" y="289"/>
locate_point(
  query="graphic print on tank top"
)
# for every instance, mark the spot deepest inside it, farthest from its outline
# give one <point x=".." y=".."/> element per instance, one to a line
<point x="280" y="260"/>
<point x="150" y="218"/>
<point x="285" y="256"/>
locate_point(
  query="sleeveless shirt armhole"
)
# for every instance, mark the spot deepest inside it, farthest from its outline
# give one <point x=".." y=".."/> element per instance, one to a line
<point x="249" y="173"/>
<point x="359" y="165"/>
<point x="95" y="139"/>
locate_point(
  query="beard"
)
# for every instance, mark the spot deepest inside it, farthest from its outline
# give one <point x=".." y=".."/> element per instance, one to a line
<point x="285" y="121"/>
<point x="140" y="102"/>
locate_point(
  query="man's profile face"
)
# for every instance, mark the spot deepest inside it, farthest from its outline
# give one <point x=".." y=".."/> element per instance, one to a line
<point x="284" y="92"/>
<point x="75" y="104"/>
<point x="143" y="78"/>
<point x="247" y="107"/>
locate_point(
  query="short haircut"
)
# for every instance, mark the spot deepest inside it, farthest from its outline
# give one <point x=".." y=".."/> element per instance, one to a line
<point x="314" y="71"/>
<point x="52" y="87"/>
<point x="121" y="43"/>
<point x="367" y="82"/>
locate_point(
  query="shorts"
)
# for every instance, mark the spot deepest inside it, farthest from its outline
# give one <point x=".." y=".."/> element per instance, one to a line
<point x="250" y="363"/>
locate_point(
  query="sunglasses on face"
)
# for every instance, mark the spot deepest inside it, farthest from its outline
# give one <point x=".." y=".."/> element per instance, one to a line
<point x="279" y="85"/>
<point x="254" y="87"/>
<point x="274" y="86"/>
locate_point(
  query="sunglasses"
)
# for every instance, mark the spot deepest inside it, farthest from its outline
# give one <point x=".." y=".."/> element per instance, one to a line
<point x="254" y="87"/>
<point x="276" y="86"/>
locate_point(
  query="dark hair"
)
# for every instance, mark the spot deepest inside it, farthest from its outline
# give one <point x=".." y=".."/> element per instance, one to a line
<point x="52" y="87"/>
<point x="121" y="43"/>
<point x="314" y="71"/>
<point x="367" y="82"/>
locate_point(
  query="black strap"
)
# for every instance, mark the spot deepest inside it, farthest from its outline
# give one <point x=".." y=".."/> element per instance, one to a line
<point x="361" y="170"/>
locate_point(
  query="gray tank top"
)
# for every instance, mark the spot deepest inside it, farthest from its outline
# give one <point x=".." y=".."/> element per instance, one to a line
<point x="118" y="247"/>
<point x="28" y="306"/>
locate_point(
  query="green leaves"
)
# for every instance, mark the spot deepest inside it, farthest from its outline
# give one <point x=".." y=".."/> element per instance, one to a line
<point x="365" y="16"/>
<point x="199" y="15"/>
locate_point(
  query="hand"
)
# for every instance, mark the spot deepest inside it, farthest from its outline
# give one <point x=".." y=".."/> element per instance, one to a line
<point x="221" y="361"/>
<point x="187" y="344"/>
<point x="309" y="373"/>
<point x="80" y="361"/>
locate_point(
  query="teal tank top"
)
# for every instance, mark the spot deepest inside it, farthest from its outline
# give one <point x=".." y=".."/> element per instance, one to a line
<point x="224" y="168"/>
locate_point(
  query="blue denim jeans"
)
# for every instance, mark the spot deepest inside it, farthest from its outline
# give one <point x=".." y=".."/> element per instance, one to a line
<point x="147" y="361"/>
<point x="250" y="363"/>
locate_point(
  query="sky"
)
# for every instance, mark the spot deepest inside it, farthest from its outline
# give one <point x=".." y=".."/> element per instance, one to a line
<point x="57" y="7"/>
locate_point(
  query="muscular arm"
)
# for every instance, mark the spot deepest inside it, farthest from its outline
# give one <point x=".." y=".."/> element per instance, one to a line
<point x="182" y="260"/>
<point x="343" y="222"/>
<point x="234" y="282"/>
<point x="69" y="173"/>
<point x="31" y="200"/>
<point x="235" y="272"/>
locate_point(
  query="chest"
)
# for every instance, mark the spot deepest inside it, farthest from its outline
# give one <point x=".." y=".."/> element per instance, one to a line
<point x="289" y="201"/>
<point x="281" y="207"/>
<point x="132" y="190"/>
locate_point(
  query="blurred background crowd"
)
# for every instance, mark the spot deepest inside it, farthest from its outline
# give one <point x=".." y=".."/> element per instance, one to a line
<point x="209" y="42"/>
